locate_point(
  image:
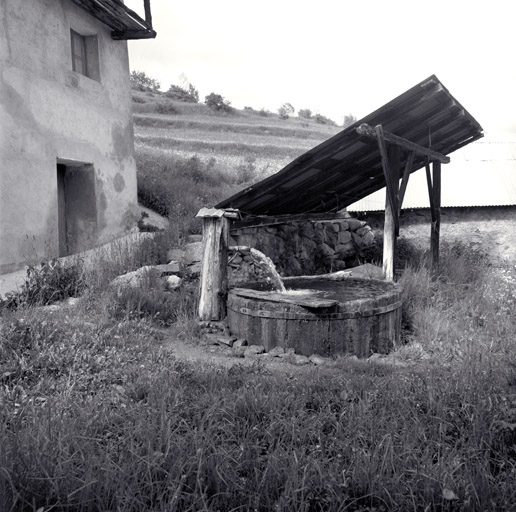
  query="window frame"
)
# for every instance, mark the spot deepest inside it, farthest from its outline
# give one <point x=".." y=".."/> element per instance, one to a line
<point x="85" y="54"/>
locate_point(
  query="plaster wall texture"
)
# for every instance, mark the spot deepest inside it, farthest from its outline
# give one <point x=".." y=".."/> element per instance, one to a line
<point x="51" y="114"/>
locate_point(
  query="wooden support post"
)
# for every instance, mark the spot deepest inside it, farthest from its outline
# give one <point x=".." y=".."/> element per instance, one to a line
<point x="436" y="214"/>
<point x="391" y="222"/>
<point x="148" y="15"/>
<point x="213" y="285"/>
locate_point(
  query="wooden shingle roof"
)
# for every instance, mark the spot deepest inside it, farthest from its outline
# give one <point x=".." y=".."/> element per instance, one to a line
<point x="124" y="22"/>
<point x="348" y="166"/>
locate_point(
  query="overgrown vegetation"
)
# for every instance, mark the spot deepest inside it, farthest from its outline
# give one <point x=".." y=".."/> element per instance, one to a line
<point x="97" y="414"/>
<point x="143" y="82"/>
<point x="218" y="103"/>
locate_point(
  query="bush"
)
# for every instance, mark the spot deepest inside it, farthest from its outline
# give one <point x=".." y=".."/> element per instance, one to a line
<point x="306" y="113"/>
<point x="217" y="102"/>
<point x="51" y="282"/>
<point x="324" y="120"/>
<point x="265" y="113"/>
<point x="142" y="82"/>
<point x="285" y="110"/>
<point x="166" y="108"/>
<point x="349" y="119"/>
<point x="178" y="93"/>
<point x="178" y="187"/>
<point x="137" y="99"/>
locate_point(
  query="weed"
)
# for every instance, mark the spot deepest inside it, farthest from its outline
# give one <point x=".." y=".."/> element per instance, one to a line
<point x="51" y="282"/>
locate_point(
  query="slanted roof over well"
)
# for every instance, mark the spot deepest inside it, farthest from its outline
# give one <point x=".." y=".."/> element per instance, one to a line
<point x="124" y="22"/>
<point x="348" y="166"/>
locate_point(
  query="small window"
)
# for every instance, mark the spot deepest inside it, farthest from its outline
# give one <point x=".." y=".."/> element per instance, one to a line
<point x="85" y="55"/>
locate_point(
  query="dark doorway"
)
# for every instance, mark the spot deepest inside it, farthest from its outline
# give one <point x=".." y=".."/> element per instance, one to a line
<point x="76" y="207"/>
<point x="61" y="210"/>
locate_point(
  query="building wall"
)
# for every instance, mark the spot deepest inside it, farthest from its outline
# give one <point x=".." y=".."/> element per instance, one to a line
<point x="52" y="115"/>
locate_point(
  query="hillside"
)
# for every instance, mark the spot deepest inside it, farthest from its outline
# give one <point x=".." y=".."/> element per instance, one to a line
<point x="260" y="141"/>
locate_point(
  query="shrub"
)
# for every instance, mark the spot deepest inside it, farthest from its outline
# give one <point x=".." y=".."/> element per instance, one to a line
<point x="51" y="282"/>
<point x="217" y="102"/>
<point x="265" y="113"/>
<point x="166" y="108"/>
<point x="178" y="187"/>
<point x="142" y="82"/>
<point x="306" y="113"/>
<point x="178" y="93"/>
<point x="349" y="119"/>
<point x="137" y="99"/>
<point x="324" y="120"/>
<point x="246" y="171"/>
<point x="285" y="110"/>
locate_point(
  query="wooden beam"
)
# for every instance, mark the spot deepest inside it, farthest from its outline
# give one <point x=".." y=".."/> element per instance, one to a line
<point x="213" y="282"/>
<point x="404" y="180"/>
<point x="124" y="35"/>
<point x="430" y="188"/>
<point x="436" y="220"/>
<point x="390" y="180"/>
<point x="148" y="14"/>
<point x="368" y="131"/>
<point x="391" y="222"/>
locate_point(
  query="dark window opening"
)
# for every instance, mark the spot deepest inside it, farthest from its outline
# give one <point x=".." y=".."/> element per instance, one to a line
<point x="85" y="55"/>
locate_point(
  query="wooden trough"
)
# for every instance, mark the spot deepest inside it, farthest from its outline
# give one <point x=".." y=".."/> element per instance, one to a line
<point x="319" y="316"/>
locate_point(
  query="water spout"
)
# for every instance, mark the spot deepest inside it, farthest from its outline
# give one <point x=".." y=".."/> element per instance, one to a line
<point x="266" y="264"/>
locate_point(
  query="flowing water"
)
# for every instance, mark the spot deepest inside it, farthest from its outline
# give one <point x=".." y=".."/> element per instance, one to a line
<point x="266" y="263"/>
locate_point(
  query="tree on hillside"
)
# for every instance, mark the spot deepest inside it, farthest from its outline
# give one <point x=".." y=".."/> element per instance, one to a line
<point x="285" y="110"/>
<point x="142" y="82"/>
<point x="305" y="112"/>
<point x="217" y="102"/>
<point x="349" y="119"/>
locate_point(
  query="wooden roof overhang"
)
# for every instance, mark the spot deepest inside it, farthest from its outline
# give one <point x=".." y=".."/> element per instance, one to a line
<point x="124" y="22"/>
<point x="426" y="123"/>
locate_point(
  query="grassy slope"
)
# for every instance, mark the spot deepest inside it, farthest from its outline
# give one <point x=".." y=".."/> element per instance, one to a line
<point x="231" y="139"/>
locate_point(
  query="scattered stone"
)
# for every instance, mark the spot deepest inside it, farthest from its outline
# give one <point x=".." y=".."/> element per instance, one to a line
<point x="191" y="239"/>
<point x="194" y="270"/>
<point x="317" y="359"/>
<point x="193" y="253"/>
<point x="225" y="340"/>
<point x="168" y="268"/>
<point x="254" y="350"/>
<point x="300" y="360"/>
<point x="277" y="352"/>
<point x="175" y="255"/>
<point x="72" y="301"/>
<point x="239" y="351"/>
<point x="239" y="343"/>
<point x="289" y="351"/>
<point x="172" y="282"/>
<point x="133" y="279"/>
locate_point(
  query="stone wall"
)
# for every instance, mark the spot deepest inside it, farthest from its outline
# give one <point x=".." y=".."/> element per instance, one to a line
<point x="306" y="246"/>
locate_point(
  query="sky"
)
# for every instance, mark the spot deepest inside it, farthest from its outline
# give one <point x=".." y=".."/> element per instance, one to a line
<point x="336" y="57"/>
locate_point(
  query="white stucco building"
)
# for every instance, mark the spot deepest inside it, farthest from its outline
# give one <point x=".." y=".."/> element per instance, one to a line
<point x="67" y="168"/>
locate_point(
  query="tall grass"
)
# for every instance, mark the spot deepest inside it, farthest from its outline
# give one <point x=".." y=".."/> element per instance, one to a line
<point x="98" y="414"/>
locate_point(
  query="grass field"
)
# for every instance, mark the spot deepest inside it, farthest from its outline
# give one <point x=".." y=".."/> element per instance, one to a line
<point x="103" y="408"/>
<point x="232" y="140"/>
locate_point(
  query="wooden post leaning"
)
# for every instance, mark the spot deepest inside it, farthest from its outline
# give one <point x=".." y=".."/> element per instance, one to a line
<point x="213" y="283"/>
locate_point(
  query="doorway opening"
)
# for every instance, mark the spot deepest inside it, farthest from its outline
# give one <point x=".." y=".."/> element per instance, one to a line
<point x="76" y="207"/>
